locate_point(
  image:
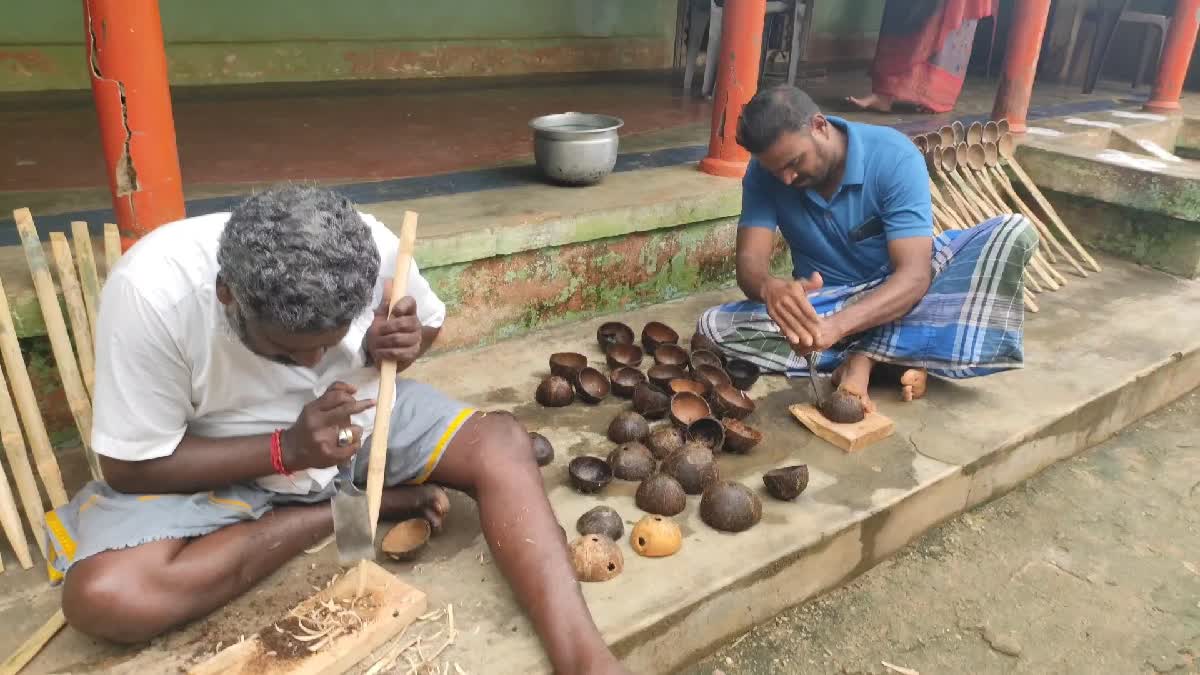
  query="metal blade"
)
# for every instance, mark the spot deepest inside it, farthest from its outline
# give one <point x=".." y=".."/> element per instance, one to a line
<point x="822" y="386"/>
<point x="351" y="522"/>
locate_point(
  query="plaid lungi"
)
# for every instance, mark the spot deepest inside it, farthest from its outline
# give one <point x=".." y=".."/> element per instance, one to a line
<point x="969" y="323"/>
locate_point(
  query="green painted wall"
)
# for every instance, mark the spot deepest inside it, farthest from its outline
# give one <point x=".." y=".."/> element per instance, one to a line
<point x="233" y="41"/>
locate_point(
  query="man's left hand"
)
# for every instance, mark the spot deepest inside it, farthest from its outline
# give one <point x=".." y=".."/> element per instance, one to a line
<point x="397" y="337"/>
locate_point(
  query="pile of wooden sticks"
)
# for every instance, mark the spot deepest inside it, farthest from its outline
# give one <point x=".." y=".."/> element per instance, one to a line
<point x="969" y="184"/>
<point x="79" y="285"/>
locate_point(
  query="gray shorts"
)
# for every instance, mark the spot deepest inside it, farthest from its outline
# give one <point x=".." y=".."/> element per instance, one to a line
<point x="98" y="518"/>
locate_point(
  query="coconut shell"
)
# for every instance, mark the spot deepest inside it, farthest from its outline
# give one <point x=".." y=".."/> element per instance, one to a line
<point x="554" y="392"/>
<point x="743" y="373"/>
<point x="712" y="375"/>
<point x="661" y="494"/>
<point x="589" y="474"/>
<point x="665" y="439"/>
<point x="703" y="357"/>
<point x="406" y="539"/>
<point x="543" y="451"/>
<point x="671" y="355"/>
<point x="613" y="333"/>
<point x="595" y="557"/>
<point x="687" y="408"/>
<point x="625" y="379"/>
<point x="631" y="461"/>
<point x="628" y="426"/>
<point x="786" y="483"/>
<point x="662" y="375"/>
<point x="591" y="386"/>
<point x="730" y="507"/>
<point x="739" y="436"/>
<point x="701" y="342"/>
<point x="708" y="432"/>
<point x="566" y="364"/>
<point x="623" y="355"/>
<point x="655" y="537"/>
<point x="650" y="401"/>
<point x="682" y="384"/>
<point x="656" y="333"/>
<point x="843" y="407"/>
<point x="601" y="520"/>
<point x="693" y="466"/>
<point x="729" y="401"/>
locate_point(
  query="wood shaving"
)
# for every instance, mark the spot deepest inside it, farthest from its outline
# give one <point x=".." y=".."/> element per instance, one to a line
<point x="899" y="669"/>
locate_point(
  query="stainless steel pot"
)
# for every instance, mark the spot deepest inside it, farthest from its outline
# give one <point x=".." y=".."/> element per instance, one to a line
<point x="575" y="148"/>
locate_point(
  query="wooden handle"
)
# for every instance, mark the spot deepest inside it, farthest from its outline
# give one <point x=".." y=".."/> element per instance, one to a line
<point x="10" y="521"/>
<point x="387" y="375"/>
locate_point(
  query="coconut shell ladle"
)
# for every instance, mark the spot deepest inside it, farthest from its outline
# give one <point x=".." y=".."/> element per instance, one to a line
<point x="953" y="202"/>
<point x="1006" y="146"/>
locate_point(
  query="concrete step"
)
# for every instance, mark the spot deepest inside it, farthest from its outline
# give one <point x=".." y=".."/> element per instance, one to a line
<point x="1103" y="352"/>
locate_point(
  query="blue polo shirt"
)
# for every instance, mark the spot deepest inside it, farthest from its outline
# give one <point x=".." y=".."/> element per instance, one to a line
<point x="884" y="196"/>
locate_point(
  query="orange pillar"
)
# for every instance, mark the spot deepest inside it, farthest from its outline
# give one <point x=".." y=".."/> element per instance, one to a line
<point x="737" y="80"/>
<point x="128" y="68"/>
<point x="1177" y="53"/>
<point x="1020" y="62"/>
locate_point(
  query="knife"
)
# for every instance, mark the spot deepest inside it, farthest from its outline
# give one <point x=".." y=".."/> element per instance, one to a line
<point x="822" y="387"/>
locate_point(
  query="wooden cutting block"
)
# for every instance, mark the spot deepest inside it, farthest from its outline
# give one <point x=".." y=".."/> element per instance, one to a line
<point x="396" y="606"/>
<point x="849" y="437"/>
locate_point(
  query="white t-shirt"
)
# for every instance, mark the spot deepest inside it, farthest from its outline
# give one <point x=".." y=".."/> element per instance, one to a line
<point x="168" y="362"/>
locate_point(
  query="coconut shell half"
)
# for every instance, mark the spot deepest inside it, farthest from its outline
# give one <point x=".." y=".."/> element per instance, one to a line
<point x="730" y="507"/>
<point x="589" y="474"/>
<point x="595" y="557"/>
<point x="651" y="401"/>
<point x="554" y="392"/>
<point x="843" y="407"/>
<point x="693" y="466"/>
<point x="543" y="451"/>
<point x="662" y="495"/>
<point x="628" y="426"/>
<point x="601" y="520"/>
<point x="406" y="539"/>
<point x="655" y="537"/>
<point x="786" y="483"/>
<point x="664" y="440"/>
<point x="631" y="461"/>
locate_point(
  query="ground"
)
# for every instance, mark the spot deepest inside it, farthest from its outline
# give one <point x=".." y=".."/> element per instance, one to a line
<point x="1092" y="566"/>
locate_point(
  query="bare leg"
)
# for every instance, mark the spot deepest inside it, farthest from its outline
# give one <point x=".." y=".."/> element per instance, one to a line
<point x="873" y="102"/>
<point x="491" y="459"/>
<point x="854" y="377"/>
<point x="132" y="595"/>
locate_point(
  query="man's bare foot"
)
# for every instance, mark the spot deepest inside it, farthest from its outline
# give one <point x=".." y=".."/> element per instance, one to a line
<point x="913" y="383"/>
<point x="416" y="501"/>
<point x="874" y="102"/>
<point x="854" y="377"/>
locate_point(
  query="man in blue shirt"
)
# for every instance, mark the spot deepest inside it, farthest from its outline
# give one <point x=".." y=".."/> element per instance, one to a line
<point x="871" y="280"/>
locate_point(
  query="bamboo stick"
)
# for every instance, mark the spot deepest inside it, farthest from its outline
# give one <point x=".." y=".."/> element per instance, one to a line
<point x="10" y="521"/>
<point x="56" y="330"/>
<point x="1043" y="230"/>
<point x="112" y="247"/>
<point x="76" y="310"/>
<point x="89" y="279"/>
<point x="18" y="461"/>
<point x="30" y="648"/>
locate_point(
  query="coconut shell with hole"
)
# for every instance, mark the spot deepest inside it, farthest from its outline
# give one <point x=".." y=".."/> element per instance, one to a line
<point x="657" y="333"/>
<point x="624" y="380"/>
<point x="664" y="439"/>
<point x="596" y="558"/>
<point x="713" y="376"/>
<point x="843" y="407"/>
<point x="700" y="342"/>
<point x="613" y="333"/>
<point x="706" y="431"/>
<point x="739" y="436"/>
<point x="406" y="539"/>
<point x="703" y="357"/>
<point x="682" y="384"/>
<point x="623" y="355"/>
<point x="655" y="536"/>
<point x="543" y="452"/>
<point x="729" y="401"/>
<point x="786" y="483"/>
<point x="651" y="401"/>
<point x="671" y="355"/>
<point x="554" y="392"/>
<point x="742" y="373"/>
<point x="661" y="494"/>
<point x="589" y="474"/>
<point x="662" y="375"/>
<point x="687" y="407"/>
<point x="628" y="426"/>
<point x="632" y="461"/>
<point x="730" y="507"/>
<point x="693" y="466"/>
<point x="566" y="364"/>
<point x="591" y="386"/>
<point x="601" y="520"/>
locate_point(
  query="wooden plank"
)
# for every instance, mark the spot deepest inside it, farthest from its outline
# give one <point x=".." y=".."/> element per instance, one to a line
<point x="31" y="415"/>
<point x="73" y="295"/>
<point x="112" y="247"/>
<point x="30" y="648"/>
<point x="10" y="521"/>
<point x="849" y="437"/>
<point x="56" y="330"/>
<point x="18" y="461"/>
<point x="398" y="606"/>
<point x="89" y="278"/>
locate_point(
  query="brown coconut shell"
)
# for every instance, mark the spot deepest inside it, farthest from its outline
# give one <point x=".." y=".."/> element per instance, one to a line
<point x="703" y="357"/>
<point x="595" y="557"/>
<point x="589" y="474"/>
<point x="554" y="392"/>
<point x="651" y="401"/>
<point x="601" y="520"/>
<point x="655" y="536"/>
<point x="688" y="407"/>
<point x="591" y="386"/>
<point x="543" y="451"/>
<point x="657" y="333"/>
<point x="661" y="494"/>
<point x="631" y="461"/>
<point x="712" y="375"/>
<point x="623" y="355"/>
<point x="664" y="440"/>
<point x="708" y="432"/>
<point x="729" y="401"/>
<point x="613" y="333"/>
<point x="693" y="466"/>
<point x="671" y="355"/>
<point x="842" y="407"/>
<point x="628" y="426"/>
<point x="739" y="436"/>
<point x="662" y="375"/>
<point x="700" y="342"/>
<point x="566" y="364"/>
<point x="624" y="380"/>
<point x="406" y="539"/>
<point x="682" y="384"/>
<point x="730" y="507"/>
<point x="742" y="373"/>
<point x="787" y="482"/>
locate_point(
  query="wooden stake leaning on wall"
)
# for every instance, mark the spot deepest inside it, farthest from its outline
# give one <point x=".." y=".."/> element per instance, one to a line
<point x="112" y="247"/>
<point x="10" y="522"/>
<point x="18" y="462"/>
<point x="73" y="295"/>
<point x="30" y="648"/>
<point x="89" y="278"/>
<point x="31" y="415"/>
<point x="56" y="330"/>
<point x="1006" y="147"/>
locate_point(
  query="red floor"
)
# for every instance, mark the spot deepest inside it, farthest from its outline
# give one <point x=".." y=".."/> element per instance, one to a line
<point x="332" y="137"/>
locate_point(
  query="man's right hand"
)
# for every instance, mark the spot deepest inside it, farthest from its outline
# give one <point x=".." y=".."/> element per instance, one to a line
<point x="312" y="442"/>
<point x="787" y="304"/>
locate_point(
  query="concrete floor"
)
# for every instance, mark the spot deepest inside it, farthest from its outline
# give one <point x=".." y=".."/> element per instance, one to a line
<point x="965" y="443"/>
<point x="1091" y="567"/>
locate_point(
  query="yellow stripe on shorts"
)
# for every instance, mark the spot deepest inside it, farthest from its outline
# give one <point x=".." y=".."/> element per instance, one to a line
<point x="440" y="448"/>
<point x="235" y="503"/>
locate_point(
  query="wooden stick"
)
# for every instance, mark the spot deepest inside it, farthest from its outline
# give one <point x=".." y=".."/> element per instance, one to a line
<point x="88" y="277"/>
<point x="31" y="415"/>
<point x="940" y="202"/>
<point x="1045" y="204"/>
<point x="967" y="183"/>
<point x="14" y="449"/>
<point x="1044" y="254"/>
<point x="112" y="247"/>
<point x="1011" y="191"/>
<point x="30" y="648"/>
<point x="56" y="330"/>
<point x="75" y="309"/>
<point x="1029" y="303"/>
<point x="10" y="521"/>
<point x="387" y="375"/>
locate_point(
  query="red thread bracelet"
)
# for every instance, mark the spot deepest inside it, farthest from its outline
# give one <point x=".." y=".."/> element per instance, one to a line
<point x="277" y="452"/>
